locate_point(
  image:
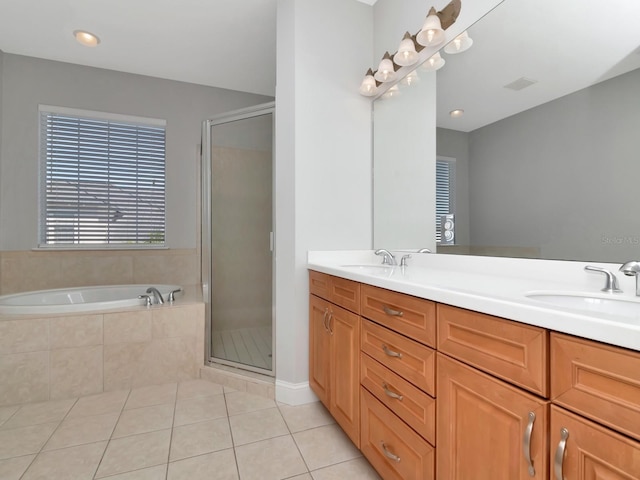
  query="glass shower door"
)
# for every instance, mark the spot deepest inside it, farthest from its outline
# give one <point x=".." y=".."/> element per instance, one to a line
<point x="241" y="240"/>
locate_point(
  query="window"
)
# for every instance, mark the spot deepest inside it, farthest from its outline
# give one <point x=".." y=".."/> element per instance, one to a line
<point x="102" y="179"/>
<point x="445" y="175"/>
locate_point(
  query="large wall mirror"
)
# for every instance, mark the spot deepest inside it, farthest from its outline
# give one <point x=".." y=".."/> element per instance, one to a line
<point x="545" y="161"/>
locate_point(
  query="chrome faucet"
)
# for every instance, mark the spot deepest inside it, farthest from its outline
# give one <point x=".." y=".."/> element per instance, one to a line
<point x="631" y="269"/>
<point x="611" y="282"/>
<point x="387" y="257"/>
<point x="424" y="250"/>
<point x="156" y="295"/>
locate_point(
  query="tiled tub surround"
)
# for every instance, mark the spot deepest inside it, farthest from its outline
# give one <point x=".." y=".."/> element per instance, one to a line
<point x="28" y="270"/>
<point x="66" y="356"/>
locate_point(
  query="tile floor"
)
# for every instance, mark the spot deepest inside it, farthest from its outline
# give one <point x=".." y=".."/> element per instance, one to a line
<point x="191" y="430"/>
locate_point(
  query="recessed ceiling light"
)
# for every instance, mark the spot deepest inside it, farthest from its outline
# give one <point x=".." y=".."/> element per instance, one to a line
<point x="86" y="38"/>
<point x="457" y="113"/>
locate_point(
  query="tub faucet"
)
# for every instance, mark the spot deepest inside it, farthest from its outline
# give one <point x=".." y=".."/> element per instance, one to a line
<point x="631" y="269"/>
<point x="156" y="295"/>
<point x="387" y="257"/>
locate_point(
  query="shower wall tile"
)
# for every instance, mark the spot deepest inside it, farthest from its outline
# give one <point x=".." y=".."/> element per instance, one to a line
<point x="76" y="372"/>
<point x="76" y="331"/>
<point x="127" y="327"/>
<point x="18" y="336"/>
<point x="24" y="378"/>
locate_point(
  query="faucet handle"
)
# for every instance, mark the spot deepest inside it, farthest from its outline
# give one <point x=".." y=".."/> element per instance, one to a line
<point x="611" y="283"/>
<point x="147" y="299"/>
<point x="403" y="260"/>
<point x="172" y="295"/>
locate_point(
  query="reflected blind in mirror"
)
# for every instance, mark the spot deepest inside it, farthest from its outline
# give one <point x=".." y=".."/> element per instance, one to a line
<point x="444" y="191"/>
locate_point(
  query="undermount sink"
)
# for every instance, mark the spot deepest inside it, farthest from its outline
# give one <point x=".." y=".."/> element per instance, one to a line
<point x="590" y="303"/>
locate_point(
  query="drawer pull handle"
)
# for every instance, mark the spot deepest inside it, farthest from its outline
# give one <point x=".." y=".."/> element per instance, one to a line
<point x="392" y="312"/>
<point x="526" y="444"/>
<point x="391" y="393"/>
<point x="324" y="319"/>
<point x="559" y="456"/>
<point x="391" y="353"/>
<point x="388" y="454"/>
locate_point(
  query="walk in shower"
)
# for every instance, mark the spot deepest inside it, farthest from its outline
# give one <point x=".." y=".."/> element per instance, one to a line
<point x="238" y="237"/>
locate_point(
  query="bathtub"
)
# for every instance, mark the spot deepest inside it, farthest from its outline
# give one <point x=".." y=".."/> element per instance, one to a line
<point x="81" y="299"/>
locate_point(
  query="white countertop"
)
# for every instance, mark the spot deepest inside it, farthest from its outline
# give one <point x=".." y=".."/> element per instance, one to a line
<point x="498" y="286"/>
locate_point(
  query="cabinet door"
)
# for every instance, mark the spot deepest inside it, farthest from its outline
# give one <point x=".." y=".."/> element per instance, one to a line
<point x="344" y="329"/>
<point x="319" y="353"/>
<point x="590" y="451"/>
<point x="482" y="427"/>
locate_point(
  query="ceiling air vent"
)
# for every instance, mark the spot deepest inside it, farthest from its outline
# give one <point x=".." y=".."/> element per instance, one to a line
<point x="520" y="83"/>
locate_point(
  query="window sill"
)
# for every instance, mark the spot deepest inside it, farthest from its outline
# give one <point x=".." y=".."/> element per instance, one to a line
<point x="101" y="248"/>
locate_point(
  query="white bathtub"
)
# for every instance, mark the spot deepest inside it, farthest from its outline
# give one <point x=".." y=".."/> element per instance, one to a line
<point x="81" y="299"/>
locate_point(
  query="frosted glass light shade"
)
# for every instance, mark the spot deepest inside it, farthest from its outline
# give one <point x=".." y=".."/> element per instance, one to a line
<point x="435" y="62"/>
<point x="431" y="33"/>
<point x="406" y="54"/>
<point x="386" y="71"/>
<point x="368" y="87"/>
<point x="410" y="79"/>
<point x="459" y="44"/>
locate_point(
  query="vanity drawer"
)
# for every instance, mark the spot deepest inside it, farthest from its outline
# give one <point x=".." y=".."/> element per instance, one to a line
<point x="409" y="359"/>
<point x="410" y="316"/>
<point x="510" y="350"/>
<point x="598" y="381"/>
<point x="394" y="450"/>
<point x="408" y="402"/>
<point x="340" y="291"/>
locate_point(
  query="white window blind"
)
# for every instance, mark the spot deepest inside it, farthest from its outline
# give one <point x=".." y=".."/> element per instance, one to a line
<point x="445" y="170"/>
<point x="102" y="179"/>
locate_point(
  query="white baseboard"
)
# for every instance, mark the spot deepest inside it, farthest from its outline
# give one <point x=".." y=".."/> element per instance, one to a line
<point x="294" y="393"/>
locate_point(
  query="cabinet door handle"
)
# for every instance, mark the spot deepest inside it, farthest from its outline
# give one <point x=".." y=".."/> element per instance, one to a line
<point x="526" y="444"/>
<point x="391" y="393"/>
<point x="558" y="459"/>
<point x="392" y="312"/>
<point x="391" y="353"/>
<point x="329" y="323"/>
<point x="324" y="319"/>
<point x="388" y="454"/>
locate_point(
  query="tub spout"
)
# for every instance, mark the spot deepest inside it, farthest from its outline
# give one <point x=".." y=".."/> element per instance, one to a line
<point x="156" y="295"/>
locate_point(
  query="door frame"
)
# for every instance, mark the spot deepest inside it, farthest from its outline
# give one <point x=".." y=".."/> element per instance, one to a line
<point x="206" y="230"/>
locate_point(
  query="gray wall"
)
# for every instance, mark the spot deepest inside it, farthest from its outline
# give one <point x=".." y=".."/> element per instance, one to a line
<point x="562" y="176"/>
<point x="27" y="82"/>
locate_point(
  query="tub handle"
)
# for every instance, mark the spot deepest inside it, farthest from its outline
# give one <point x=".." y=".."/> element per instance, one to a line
<point x="147" y="300"/>
<point x="172" y="295"/>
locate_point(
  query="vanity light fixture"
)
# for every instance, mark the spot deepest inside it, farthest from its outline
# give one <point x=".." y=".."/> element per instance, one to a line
<point x="386" y="71"/>
<point x="410" y="79"/>
<point x="87" y="39"/>
<point x="457" y="113"/>
<point x="435" y="62"/>
<point x="392" y="92"/>
<point x="406" y="54"/>
<point x="369" y="86"/>
<point x="409" y="51"/>
<point x="431" y="33"/>
<point x="459" y="44"/>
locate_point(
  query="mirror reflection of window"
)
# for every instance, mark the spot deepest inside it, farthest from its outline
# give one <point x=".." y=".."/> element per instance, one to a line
<point x="445" y="191"/>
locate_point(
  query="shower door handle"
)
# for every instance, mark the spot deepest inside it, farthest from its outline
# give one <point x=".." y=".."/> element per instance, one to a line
<point x="271" y="241"/>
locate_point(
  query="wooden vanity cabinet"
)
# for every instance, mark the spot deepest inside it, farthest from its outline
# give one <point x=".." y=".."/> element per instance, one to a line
<point x="484" y="427"/>
<point x="334" y="349"/>
<point x="583" y="450"/>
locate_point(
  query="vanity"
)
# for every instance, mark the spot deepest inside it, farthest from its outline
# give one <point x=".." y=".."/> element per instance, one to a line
<point x="460" y="368"/>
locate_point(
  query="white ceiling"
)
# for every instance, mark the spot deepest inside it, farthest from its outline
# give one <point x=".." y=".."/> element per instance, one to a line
<point x="564" y="45"/>
<point x="222" y="43"/>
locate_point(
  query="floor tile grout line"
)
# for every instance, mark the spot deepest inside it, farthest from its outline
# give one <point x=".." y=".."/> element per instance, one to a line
<point x="111" y="435"/>
<point x="173" y="421"/>
<point x="233" y="443"/>
<point x="306" y="465"/>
